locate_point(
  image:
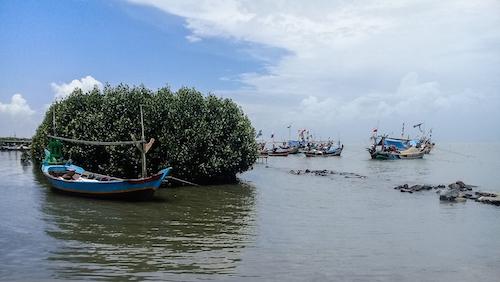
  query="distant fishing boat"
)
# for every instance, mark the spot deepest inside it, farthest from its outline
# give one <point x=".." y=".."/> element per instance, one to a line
<point x="10" y="148"/>
<point x="328" y="150"/>
<point x="277" y="152"/>
<point x="385" y="148"/>
<point x="291" y="149"/>
<point x="331" y="152"/>
<point x="14" y="147"/>
<point x="262" y="149"/>
<point x="74" y="179"/>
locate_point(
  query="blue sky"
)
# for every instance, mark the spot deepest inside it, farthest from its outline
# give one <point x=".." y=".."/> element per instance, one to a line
<point x="58" y="41"/>
<point x="335" y="67"/>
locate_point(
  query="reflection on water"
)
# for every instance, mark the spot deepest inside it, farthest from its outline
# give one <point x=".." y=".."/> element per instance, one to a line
<point x="184" y="230"/>
<point x="287" y="228"/>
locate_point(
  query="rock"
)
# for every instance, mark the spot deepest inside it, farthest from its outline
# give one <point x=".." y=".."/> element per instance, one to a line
<point x="468" y="195"/>
<point x="489" y="200"/>
<point x="427" y="187"/>
<point x="486" y="194"/>
<point x="461" y="184"/>
<point x="406" y="190"/>
<point x="404" y="186"/>
<point x="448" y="195"/>
<point x="416" y="187"/>
<point x="454" y="186"/>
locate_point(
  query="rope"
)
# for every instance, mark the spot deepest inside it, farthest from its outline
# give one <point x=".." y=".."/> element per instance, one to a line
<point x="183" y="181"/>
<point x="99" y="143"/>
<point x="453" y="152"/>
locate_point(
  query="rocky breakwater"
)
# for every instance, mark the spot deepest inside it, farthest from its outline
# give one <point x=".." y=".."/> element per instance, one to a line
<point x="325" y="172"/>
<point x="454" y="192"/>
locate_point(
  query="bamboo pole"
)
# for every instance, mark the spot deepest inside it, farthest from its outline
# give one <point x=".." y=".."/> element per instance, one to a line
<point x="98" y="143"/>
<point x="54" y="121"/>
<point x="143" y="150"/>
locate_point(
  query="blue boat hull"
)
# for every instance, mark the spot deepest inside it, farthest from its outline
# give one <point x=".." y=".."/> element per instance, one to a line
<point x="112" y="188"/>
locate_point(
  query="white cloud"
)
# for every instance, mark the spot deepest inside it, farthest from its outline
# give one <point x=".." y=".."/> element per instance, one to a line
<point x="359" y="60"/>
<point x="85" y="84"/>
<point x="16" y="117"/>
<point x="18" y="107"/>
<point x="412" y="99"/>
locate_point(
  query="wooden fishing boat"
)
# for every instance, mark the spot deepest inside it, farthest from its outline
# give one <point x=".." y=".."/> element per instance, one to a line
<point x="74" y="179"/>
<point x="411" y="153"/>
<point x="278" y="153"/>
<point x="293" y="150"/>
<point x="328" y="152"/>
<point x="313" y="153"/>
<point x="393" y="149"/>
<point x="381" y="155"/>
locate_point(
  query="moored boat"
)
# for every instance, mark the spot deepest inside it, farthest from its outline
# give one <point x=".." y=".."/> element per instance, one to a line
<point x="412" y="153"/>
<point x="278" y="152"/>
<point x="293" y="150"/>
<point x="74" y="179"/>
<point x="329" y="151"/>
<point x="381" y="155"/>
<point x="393" y="149"/>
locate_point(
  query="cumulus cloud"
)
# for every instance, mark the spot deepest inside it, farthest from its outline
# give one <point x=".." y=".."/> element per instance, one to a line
<point x="351" y="59"/>
<point x="412" y="98"/>
<point x="87" y="83"/>
<point x="17" y="107"/>
<point x="16" y="117"/>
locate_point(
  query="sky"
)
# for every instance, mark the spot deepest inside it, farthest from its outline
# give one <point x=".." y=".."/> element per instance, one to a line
<point x="337" y="68"/>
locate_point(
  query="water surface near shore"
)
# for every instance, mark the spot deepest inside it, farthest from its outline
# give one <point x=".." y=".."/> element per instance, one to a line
<point x="276" y="226"/>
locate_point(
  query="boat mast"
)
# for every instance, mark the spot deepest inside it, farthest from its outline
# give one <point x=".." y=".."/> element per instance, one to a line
<point x="54" y="120"/>
<point x="143" y="149"/>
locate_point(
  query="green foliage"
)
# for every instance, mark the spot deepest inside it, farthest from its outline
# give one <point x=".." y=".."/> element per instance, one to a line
<point x="204" y="138"/>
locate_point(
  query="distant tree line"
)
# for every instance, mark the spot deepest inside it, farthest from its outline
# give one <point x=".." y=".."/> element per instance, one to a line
<point x="205" y="139"/>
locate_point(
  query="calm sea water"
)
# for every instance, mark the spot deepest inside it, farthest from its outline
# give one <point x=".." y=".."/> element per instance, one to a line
<point x="276" y="226"/>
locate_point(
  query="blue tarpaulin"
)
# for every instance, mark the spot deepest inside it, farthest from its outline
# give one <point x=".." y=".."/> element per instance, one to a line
<point x="400" y="145"/>
<point x="295" y="143"/>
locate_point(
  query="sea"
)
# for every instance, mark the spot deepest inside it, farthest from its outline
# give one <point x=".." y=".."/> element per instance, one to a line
<point x="348" y="225"/>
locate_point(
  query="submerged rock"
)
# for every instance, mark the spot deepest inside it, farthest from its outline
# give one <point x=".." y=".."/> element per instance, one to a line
<point x="487" y="194"/>
<point x="454" y="192"/>
<point x="490" y="200"/>
<point x="448" y="195"/>
<point x="325" y="172"/>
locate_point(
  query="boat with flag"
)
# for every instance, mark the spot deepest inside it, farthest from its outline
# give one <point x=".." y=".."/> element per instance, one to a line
<point x="385" y="148"/>
<point x="328" y="150"/>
